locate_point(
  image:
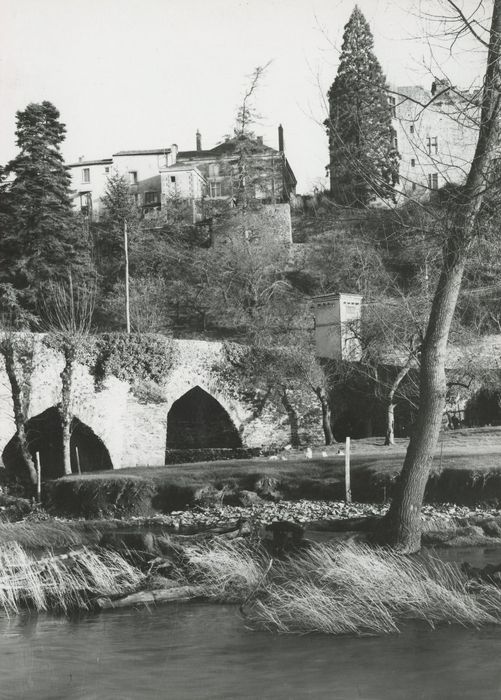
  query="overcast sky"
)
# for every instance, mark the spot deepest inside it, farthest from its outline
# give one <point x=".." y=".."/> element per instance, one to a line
<point x="147" y="73"/>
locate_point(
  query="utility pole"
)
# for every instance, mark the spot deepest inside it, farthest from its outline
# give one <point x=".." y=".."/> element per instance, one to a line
<point x="127" y="300"/>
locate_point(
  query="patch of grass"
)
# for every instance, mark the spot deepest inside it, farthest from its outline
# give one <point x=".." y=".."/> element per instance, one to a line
<point x="229" y="571"/>
<point x="45" y="534"/>
<point x="62" y="583"/>
<point x="341" y="588"/>
<point x="356" y="589"/>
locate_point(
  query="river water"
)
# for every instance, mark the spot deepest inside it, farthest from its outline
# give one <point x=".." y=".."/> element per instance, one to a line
<point x="200" y="651"/>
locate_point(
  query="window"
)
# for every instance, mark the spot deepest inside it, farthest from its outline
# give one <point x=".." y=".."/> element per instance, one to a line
<point x="133" y="177"/>
<point x="393" y="106"/>
<point x="85" y="203"/>
<point x="86" y="175"/>
<point x="151" y="198"/>
<point x="214" y="170"/>
<point x="433" y="181"/>
<point x="432" y="145"/>
<point x="173" y="179"/>
<point x="215" y="189"/>
<point x="411" y="128"/>
<point x="107" y="170"/>
<point x="414" y="186"/>
<point x="413" y="162"/>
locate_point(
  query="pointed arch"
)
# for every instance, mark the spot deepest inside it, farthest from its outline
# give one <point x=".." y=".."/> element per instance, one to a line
<point x="44" y="435"/>
<point x="198" y="420"/>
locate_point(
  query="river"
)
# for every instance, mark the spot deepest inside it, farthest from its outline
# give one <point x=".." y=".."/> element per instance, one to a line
<point x="205" y="651"/>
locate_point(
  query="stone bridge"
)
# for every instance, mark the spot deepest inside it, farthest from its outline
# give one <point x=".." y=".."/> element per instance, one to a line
<point x="194" y="406"/>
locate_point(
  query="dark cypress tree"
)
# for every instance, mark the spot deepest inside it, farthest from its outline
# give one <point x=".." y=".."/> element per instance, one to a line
<point x="118" y="207"/>
<point x="363" y="155"/>
<point x="40" y="238"/>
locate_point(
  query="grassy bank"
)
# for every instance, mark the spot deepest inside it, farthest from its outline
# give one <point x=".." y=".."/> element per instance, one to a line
<point x="333" y="588"/>
<point x="146" y="491"/>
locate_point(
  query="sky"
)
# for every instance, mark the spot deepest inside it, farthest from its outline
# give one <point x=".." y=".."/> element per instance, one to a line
<point x="134" y="74"/>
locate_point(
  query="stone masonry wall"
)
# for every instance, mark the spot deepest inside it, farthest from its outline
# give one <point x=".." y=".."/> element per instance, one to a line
<point x="134" y="431"/>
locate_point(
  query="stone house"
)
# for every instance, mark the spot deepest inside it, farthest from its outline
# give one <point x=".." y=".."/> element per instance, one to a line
<point x="436" y="132"/>
<point x="207" y="178"/>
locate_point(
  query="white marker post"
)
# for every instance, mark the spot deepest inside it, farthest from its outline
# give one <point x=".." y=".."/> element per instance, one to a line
<point x="77" y="455"/>
<point x="347" y="481"/>
<point x="39" y="477"/>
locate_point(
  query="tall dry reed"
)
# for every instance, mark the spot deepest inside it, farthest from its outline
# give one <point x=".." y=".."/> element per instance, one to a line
<point x="62" y="583"/>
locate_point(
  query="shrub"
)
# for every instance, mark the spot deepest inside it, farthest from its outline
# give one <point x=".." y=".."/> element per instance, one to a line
<point x="132" y="357"/>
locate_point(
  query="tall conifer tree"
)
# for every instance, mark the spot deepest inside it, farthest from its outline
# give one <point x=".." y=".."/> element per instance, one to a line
<point x="363" y="154"/>
<point x="40" y="239"/>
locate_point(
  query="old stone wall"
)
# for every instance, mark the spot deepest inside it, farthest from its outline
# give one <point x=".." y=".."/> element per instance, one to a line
<point x="133" y="429"/>
<point x="261" y="222"/>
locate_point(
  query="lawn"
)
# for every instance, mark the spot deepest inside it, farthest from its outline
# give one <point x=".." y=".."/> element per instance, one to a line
<point x="466" y="470"/>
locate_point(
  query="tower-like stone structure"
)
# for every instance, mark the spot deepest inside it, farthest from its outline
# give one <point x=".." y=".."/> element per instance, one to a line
<point x="337" y="326"/>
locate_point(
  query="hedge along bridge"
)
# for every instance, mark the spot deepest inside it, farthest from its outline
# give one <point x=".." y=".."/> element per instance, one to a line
<point x="144" y="396"/>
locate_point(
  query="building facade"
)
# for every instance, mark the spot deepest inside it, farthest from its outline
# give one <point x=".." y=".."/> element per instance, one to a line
<point x="436" y="132"/>
<point x="204" y="177"/>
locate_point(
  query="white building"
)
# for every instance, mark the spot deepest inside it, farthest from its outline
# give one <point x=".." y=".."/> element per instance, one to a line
<point x="141" y="169"/>
<point x="436" y="132"/>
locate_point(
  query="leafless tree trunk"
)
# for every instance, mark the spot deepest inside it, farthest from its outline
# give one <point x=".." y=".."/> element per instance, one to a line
<point x="293" y="420"/>
<point x="326" y="415"/>
<point x="390" y="414"/>
<point x="67" y="315"/>
<point x="403" y="522"/>
<point x="18" y="391"/>
<point x="67" y="378"/>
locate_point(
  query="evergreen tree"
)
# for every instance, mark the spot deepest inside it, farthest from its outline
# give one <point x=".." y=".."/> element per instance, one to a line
<point x="118" y="207"/>
<point x="40" y="239"/>
<point x="363" y="155"/>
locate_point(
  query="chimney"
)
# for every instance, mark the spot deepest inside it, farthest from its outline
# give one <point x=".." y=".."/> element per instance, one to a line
<point x="280" y="138"/>
<point x="199" y="141"/>
<point x="173" y="154"/>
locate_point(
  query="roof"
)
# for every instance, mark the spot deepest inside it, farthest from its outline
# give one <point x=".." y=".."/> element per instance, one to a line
<point x="147" y="152"/>
<point x="103" y="161"/>
<point x="182" y="167"/>
<point x="225" y="148"/>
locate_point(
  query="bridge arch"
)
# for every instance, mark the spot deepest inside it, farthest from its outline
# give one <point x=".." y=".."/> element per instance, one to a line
<point x="197" y="419"/>
<point x="44" y="434"/>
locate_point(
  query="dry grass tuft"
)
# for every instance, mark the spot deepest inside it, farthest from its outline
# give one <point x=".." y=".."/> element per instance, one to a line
<point x="62" y="583"/>
<point x="353" y="588"/>
<point x="42" y="534"/>
<point x="231" y="571"/>
<point x="340" y="588"/>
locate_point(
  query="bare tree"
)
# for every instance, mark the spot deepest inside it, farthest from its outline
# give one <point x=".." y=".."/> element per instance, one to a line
<point x="403" y="522"/>
<point x="17" y="350"/>
<point x="66" y="314"/>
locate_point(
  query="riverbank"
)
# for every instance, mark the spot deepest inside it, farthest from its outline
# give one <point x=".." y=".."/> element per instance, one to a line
<point x="265" y="557"/>
<point x="336" y="587"/>
<point x="466" y="471"/>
